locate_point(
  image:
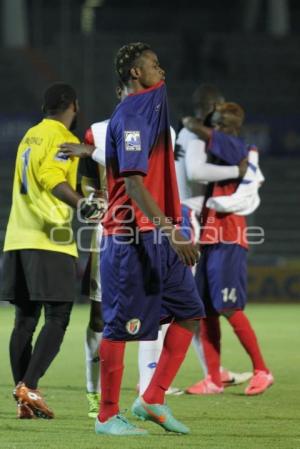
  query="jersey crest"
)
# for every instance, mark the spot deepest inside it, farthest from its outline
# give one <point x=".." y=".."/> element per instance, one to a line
<point x="132" y="140"/>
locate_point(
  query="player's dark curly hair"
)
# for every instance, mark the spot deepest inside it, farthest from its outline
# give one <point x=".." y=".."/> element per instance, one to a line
<point x="127" y="57"/>
<point x="57" y="98"/>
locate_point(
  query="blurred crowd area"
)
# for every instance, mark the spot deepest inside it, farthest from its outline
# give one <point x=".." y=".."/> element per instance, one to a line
<point x="248" y="48"/>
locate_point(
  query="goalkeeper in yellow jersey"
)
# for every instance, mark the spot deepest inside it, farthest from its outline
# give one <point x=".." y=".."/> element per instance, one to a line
<point x="39" y="270"/>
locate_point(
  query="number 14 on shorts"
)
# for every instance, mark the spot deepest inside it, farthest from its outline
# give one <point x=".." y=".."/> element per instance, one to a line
<point x="229" y="294"/>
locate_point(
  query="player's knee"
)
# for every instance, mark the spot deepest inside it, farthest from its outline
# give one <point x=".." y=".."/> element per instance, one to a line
<point x="96" y="324"/>
<point x="59" y="315"/>
<point x="27" y="318"/>
<point x="190" y="325"/>
<point x="26" y="323"/>
<point x="96" y="321"/>
<point x="60" y="321"/>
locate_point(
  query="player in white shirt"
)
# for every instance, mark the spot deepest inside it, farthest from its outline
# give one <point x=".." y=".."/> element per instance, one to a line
<point x="93" y="180"/>
<point x="193" y="174"/>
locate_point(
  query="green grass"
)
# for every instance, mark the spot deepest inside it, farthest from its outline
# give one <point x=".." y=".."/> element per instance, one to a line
<point x="228" y="421"/>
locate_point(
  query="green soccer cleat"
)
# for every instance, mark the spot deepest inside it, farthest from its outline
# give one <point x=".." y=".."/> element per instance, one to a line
<point x="93" y="401"/>
<point x="118" y="426"/>
<point x="160" y="414"/>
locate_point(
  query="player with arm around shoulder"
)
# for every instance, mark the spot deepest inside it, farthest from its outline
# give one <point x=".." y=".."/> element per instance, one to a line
<point x="221" y="275"/>
<point x="194" y="173"/>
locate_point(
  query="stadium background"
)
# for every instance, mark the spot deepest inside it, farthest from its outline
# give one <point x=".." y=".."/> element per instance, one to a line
<point x="249" y="48"/>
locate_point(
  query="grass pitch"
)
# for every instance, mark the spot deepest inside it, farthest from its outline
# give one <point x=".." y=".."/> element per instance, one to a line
<point x="227" y="421"/>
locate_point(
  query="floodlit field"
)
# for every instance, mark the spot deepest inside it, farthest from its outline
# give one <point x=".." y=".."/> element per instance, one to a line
<point x="227" y="421"/>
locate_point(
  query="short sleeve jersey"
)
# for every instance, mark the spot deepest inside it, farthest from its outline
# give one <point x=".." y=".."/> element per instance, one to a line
<point x="139" y="142"/>
<point x="39" y="220"/>
<point x="224" y="227"/>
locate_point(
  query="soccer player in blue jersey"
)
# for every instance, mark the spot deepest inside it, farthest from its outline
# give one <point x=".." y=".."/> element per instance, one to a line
<point x="144" y="258"/>
<point x="92" y="168"/>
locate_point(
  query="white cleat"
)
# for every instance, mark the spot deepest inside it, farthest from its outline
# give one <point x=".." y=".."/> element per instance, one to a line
<point x="173" y="391"/>
<point x="230" y="378"/>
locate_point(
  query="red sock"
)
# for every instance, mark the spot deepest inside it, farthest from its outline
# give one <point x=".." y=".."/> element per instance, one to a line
<point x="211" y="340"/>
<point x="247" y="337"/>
<point x="176" y="344"/>
<point x="111" y="364"/>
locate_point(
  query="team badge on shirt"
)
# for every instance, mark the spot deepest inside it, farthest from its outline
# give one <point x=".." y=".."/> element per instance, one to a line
<point x="132" y="140"/>
<point x="133" y="326"/>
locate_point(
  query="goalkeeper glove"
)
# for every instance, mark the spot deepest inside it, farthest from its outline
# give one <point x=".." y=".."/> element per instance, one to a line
<point x="92" y="209"/>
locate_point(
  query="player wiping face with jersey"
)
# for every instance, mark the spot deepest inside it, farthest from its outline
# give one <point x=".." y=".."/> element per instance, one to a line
<point x="138" y="157"/>
<point x="149" y="351"/>
<point x="143" y="197"/>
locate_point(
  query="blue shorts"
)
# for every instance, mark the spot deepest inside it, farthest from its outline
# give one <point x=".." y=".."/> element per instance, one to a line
<point x="143" y="284"/>
<point x="190" y="225"/>
<point x="221" y="277"/>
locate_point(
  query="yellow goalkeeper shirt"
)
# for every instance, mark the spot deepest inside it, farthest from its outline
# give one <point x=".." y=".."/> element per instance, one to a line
<point x="38" y="220"/>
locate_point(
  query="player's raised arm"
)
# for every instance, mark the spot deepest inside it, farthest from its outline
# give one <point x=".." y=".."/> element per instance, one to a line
<point x="225" y="143"/>
<point x="81" y="150"/>
<point x="196" y="126"/>
<point x="199" y="170"/>
<point x="222" y="142"/>
<point x="93" y="146"/>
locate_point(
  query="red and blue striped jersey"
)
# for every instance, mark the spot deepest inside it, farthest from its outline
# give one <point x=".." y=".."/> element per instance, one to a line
<point x="139" y="142"/>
